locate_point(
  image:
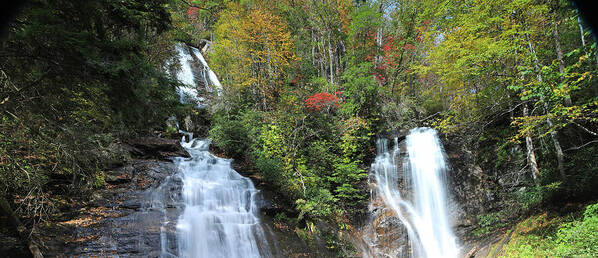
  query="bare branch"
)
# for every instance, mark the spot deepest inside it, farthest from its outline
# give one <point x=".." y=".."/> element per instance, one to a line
<point x="586" y="129"/>
<point x="579" y="147"/>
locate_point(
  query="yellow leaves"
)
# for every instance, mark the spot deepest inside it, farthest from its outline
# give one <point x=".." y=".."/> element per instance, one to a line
<point x="445" y="124"/>
<point x="353" y="124"/>
<point x="586" y="75"/>
<point x="253" y="48"/>
<point x="273" y="142"/>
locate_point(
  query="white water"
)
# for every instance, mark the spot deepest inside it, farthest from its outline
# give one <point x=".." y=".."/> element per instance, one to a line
<point x="423" y="209"/>
<point x="220" y="215"/>
<point x="211" y="75"/>
<point x="189" y="94"/>
<point x="220" y="218"/>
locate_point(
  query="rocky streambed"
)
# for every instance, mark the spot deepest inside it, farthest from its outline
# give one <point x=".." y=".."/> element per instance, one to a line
<point x="128" y="215"/>
<point x="137" y="209"/>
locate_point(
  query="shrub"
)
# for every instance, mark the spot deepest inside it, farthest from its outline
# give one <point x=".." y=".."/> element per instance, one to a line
<point x="579" y="238"/>
<point x="323" y="101"/>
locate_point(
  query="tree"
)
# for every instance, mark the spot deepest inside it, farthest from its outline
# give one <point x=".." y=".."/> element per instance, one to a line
<point x="76" y="77"/>
<point x="253" y="50"/>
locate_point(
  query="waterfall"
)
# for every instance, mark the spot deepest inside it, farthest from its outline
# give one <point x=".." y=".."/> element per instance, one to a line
<point x="220" y="217"/>
<point x="211" y="75"/>
<point x="220" y="211"/>
<point x="188" y="93"/>
<point x="421" y="205"/>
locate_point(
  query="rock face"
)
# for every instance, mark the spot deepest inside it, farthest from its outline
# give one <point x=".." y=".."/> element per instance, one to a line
<point x="128" y="217"/>
<point x="283" y="237"/>
<point x="478" y="190"/>
<point x="384" y="234"/>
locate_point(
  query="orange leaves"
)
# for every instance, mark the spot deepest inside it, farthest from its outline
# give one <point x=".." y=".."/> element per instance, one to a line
<point x="344" y="10"/>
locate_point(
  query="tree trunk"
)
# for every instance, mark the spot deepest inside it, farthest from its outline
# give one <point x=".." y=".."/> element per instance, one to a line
<point x="313" y="49"/>
<point x="321" y="54"/>
<point x="560" y="156"/>
<point x="531" y="155"/>
<point x="378" y="59"/>
<point x="330" y="57"/>
<point x="553" y="135"/>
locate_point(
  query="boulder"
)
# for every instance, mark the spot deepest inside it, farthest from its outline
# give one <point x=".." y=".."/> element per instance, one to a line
<point x="155" y="148"/>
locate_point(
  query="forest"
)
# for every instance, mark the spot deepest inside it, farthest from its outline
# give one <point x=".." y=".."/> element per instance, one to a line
<point x="308" y="86"/>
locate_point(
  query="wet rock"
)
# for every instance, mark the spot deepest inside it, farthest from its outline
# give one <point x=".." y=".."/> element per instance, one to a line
<point x="155" y="148"/>
<point x="127" y="218"/>
<point x="120" y="175"/>
<point x="385" y="235"/>
<point x="399" y="134"/>
<point x="477" y="190"/>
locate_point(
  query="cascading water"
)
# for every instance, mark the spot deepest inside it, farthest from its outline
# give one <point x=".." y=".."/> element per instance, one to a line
<point x="211" y="75"/>
<point x="422" y="206"/>
<point x="188" y="93"/>
<point x="220" y="218"/>
<point x="220" y="211"/>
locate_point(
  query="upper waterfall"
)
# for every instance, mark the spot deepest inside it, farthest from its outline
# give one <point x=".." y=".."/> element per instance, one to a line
<point x="211" y="75"/>
<point x="193" y="74"/>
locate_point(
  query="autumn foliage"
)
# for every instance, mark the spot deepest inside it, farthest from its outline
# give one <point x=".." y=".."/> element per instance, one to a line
<point x="192" y="12"/>
<point x="254" y="49"/>
<point x="323" y="101"/>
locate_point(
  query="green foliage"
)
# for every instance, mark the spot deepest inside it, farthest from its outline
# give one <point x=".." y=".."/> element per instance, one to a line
<point x="534" y="196"/>
<point x="556" y="237"/>
<point x="271" y="170"/>
<point x="579" y="238"/>
<point x="488" y="223"/>
<point x="312" y="158"/>
<point x="230" y="135"/>
<point x="361" y="90"/>
<point x="171" y="130"/>
<point x="72" y="83"/>
<point x="319" y="205"/>
<point x="100" y="179"/>
<point x="365" y="21"/>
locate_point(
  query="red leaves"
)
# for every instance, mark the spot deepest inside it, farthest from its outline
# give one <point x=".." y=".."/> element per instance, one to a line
<point x="192" y="12"/>
<point x="323" y="100"/>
